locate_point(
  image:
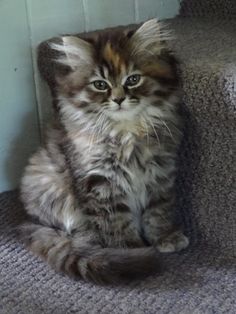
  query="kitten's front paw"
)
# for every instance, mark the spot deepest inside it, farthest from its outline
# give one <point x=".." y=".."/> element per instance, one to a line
<point x="174" y="242"/>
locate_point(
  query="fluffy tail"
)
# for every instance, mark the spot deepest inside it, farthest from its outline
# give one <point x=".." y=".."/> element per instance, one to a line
<point x="75" y="257"/>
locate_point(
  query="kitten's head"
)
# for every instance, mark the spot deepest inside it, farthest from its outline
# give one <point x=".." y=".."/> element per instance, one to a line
<point x="122" y="74"/>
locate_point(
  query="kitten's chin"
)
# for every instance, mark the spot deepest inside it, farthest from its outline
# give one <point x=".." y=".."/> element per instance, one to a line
<point x="122" y="114"/>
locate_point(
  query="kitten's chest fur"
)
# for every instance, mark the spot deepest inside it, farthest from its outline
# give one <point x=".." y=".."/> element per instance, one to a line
<point x="128" y="164"/>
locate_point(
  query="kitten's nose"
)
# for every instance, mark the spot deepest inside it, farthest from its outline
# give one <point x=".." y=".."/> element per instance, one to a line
<point x="119" y="100"/>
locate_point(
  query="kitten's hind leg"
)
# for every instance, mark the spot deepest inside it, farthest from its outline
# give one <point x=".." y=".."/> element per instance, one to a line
<point x="47" y="194"/>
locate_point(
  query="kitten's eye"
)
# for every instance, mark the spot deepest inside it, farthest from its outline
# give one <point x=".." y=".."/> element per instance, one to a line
<point x="133" y="80"/>
<point x="101" y="85"/>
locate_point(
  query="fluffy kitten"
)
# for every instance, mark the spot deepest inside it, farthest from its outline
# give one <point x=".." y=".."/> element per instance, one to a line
<point x="101" y="190"/>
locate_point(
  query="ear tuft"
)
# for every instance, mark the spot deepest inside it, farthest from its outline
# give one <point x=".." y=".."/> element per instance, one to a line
<point x="149" y="38"/>
<point x="74" y="51"/>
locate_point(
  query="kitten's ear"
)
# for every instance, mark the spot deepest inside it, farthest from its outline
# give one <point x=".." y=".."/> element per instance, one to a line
<point x="74" y="52"/>
<point x="149" y="38"/>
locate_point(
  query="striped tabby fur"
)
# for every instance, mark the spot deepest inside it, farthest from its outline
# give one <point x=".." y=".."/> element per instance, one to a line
<point x="100" y="191"/>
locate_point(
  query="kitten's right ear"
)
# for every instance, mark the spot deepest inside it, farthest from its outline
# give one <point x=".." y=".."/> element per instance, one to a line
<point x="74" y="52"/>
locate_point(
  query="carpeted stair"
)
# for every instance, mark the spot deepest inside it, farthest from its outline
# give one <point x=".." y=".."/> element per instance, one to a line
<point x="201" y="280"/>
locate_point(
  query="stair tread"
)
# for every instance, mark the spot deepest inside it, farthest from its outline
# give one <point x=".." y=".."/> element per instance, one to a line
<point x="209" y="8"/>
<point x="202" y="40"/>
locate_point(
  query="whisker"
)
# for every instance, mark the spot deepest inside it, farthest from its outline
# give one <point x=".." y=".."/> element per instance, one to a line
<point x="93" y="134"/>
<point x="154" y="131"/>
<point x="146" y="127"/>
<point x="166" y="126"/>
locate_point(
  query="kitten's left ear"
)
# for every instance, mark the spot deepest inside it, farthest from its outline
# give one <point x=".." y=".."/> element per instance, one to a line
<point x="149" y="38"/>
<point x="75" y="51"/>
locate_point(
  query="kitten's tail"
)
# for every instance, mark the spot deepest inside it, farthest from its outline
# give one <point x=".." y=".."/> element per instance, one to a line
<point x="71" y="255"/>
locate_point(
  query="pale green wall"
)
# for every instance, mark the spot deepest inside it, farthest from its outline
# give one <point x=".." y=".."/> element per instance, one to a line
<point x="24" y="98"/>
<point x="18" y="115"/>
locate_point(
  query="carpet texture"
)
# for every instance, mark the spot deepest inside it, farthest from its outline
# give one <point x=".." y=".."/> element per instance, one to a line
<point x="208" y="8"/>
<point x="200" y="280"/>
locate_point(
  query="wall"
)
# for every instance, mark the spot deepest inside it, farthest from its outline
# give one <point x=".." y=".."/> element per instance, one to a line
<point x="19" y="131"/>
<point x="24" y="98"/>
